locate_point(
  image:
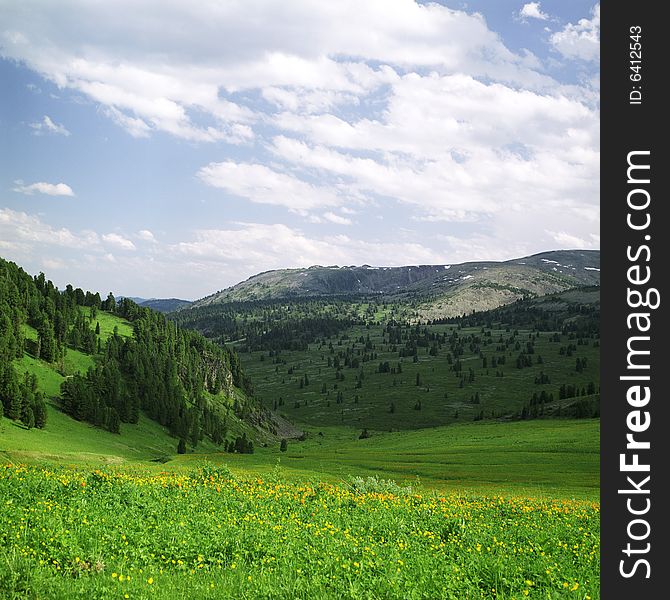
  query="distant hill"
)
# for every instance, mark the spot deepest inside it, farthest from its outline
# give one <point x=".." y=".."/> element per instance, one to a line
<point x="165" y="305"/>
<point x="135" y="299"/>
<point x="439" y="290"/>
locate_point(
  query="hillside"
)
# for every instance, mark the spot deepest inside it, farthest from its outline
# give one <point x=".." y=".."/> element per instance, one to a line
<point x="441" y="290"/>
<point x="534" y="358"/>
<point x="74" y="367"/>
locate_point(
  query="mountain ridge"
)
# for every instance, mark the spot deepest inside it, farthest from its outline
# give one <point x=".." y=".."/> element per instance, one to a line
<point x="439" y="290"/>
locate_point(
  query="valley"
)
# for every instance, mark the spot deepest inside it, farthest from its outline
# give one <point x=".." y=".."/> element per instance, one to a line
<point x="348" y="415"/>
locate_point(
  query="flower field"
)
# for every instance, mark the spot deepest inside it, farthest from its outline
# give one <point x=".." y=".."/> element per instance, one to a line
<point x="75" y="533"/>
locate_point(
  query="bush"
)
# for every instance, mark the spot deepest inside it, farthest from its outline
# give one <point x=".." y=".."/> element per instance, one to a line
<point x="375" y="485"/>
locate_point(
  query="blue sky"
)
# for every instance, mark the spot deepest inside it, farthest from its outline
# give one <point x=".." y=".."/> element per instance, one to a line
<point x="173" y="149"/>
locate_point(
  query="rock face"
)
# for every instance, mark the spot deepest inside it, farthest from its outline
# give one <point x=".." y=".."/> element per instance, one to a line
<point x="217" y="374"/>
<point x="438" y="290"/>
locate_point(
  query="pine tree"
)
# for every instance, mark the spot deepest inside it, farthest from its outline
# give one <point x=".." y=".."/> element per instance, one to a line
<point x="113" y="421"/>
<point x="40" y="411"/>
<point x="28" y="418"/>
<point x="10" y="393"/>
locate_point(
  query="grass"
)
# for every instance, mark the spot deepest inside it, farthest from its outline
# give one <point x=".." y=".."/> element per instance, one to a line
<point x="107" y="323"/>
<point x="66" y="441"/>
<point x="549" y="458"/>
<point x="206" y="534"/>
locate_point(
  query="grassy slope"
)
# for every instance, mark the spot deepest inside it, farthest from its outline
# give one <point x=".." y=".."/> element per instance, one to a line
<point x="108" y="322"/>
<point x="68" y="441"/>
<point x="502" y="395"/>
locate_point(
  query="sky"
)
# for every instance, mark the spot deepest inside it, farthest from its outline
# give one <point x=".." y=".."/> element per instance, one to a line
<point x="166" y="148"/>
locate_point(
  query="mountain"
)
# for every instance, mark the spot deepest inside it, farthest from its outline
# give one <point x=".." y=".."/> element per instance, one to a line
<point x="438" y="290"/>
<point x="165" y="305"/>
<point x="135" y="299"/>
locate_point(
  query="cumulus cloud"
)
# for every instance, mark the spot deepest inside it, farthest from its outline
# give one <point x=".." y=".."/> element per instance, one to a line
<point x="263" y="185"/>
<point x="174" y="62"/>
<point x="118" y="241"/>
<point x="41" y="187"/>
<point x="581" y="40"/>
<point x="46" y="125"/>
<point x="532" y="10"/>
<point x="451" y="147"/>
<point x="146" y="235"/>
<point x="29" y="231"/>
<point x="270" y="246"/>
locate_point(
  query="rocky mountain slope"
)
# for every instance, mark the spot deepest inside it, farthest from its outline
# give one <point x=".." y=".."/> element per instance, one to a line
<point x="437" y="290"/>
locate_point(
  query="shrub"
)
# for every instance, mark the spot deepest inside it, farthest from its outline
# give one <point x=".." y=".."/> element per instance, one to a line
<point x="375" y="485"/>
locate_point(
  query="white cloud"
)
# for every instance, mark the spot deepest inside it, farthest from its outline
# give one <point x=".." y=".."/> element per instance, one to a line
<point x="568" y="240"/>
<point x="46" y="125"/>
<point x="41" y="187"/>
<point x="337" y="219"/>
<point x="147" y="236"/>
<point x="263" y="185"/>
<point x="136" y="127"/>
<point x="118" y="241"/>
<point x="581" y="41"/>
<point x="169" y="64"/>
<point x="454" y="148"/>
<point x="30" y="232"/>
<point x="255" y="247"/>
<point x="532" y="10"/>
